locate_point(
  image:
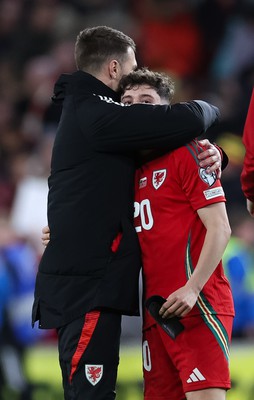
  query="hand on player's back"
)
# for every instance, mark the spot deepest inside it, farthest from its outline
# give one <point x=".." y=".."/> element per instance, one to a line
<point x="210" y="158"/>
<point x="45" y="236"/>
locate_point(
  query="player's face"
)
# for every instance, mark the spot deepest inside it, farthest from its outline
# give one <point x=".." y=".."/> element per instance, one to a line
<point x="141" y="94"/>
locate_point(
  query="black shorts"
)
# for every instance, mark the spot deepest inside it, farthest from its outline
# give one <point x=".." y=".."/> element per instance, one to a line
<point x="89" y="356"/>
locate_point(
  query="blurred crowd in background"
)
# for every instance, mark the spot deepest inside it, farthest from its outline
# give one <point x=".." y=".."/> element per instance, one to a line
<point x="207" y="46"/>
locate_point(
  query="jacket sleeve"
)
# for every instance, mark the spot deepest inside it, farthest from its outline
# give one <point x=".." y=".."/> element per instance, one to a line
<point x="247" y="175"/>
<point x="112" y="127"/>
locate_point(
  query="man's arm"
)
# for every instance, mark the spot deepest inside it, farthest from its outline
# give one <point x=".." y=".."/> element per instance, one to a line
<point x="215" y="219"/>
<point x="112" y="128"/>
<point x="247" y="175"/>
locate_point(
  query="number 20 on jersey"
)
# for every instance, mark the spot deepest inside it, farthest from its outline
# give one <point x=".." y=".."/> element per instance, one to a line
<point x="143" y="210"/>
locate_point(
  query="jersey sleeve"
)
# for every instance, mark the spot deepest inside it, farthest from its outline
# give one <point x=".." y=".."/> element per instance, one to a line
<point x="201" y="188"/>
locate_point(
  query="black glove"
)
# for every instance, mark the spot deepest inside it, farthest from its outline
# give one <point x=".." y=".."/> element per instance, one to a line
<point x="172" y="326"/>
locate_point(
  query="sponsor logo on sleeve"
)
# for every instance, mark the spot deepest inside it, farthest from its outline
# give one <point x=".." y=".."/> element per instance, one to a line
<point x="209" y="179"/>
<point x="212" y="193"/>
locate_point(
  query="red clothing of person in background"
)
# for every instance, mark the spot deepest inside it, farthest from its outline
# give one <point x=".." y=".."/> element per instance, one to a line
<point x="247" y="176"/>
<point x="173" y="46"/>
<point x="169" y="37"/>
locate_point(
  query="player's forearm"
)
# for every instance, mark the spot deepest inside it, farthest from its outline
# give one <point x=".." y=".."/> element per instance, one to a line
<point x="214" y="246"/>
<point x="183" y="299"/>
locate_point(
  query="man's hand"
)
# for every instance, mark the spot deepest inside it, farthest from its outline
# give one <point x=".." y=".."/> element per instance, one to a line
<point x="210" y="158"/>
<point x="45" y="236"/>
<point x="250" y="207"/>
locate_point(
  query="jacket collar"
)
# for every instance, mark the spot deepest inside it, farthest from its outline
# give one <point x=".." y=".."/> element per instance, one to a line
<point x="78" y="82"/>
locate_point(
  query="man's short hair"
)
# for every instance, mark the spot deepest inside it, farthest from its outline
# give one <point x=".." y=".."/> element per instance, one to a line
<point x="159" y="81"/>
<point x="94" y="46"/>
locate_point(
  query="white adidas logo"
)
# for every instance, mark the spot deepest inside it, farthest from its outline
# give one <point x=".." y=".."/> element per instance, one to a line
<point x="196" y="376"/>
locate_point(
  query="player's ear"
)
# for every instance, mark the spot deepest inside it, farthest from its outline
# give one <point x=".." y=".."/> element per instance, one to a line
<point x="113" y="68"/>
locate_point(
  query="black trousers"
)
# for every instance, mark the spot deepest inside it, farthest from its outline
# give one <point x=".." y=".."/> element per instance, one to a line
<point x="89" y="356"/>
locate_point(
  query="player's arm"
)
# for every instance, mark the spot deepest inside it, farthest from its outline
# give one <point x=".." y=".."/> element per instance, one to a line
<point x="45" y="235"/>
<point x="215" y="219"/>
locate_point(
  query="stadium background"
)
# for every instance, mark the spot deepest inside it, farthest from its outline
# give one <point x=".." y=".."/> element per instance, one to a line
<point x="207" y="46"/>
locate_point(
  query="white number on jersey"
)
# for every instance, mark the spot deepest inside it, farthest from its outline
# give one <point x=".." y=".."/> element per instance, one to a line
<point x="146" y="356"/>
<point x="144" y="210"/>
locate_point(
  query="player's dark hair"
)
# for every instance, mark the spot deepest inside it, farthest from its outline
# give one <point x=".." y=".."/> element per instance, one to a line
<point x="159" y="81"/>
<point x="94" y="46"/>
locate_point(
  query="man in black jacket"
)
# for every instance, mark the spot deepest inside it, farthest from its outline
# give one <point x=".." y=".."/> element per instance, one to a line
<point x="86" y="282"/>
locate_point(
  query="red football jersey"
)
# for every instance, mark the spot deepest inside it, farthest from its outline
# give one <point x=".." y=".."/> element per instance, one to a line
<point x="169" y="191"/>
